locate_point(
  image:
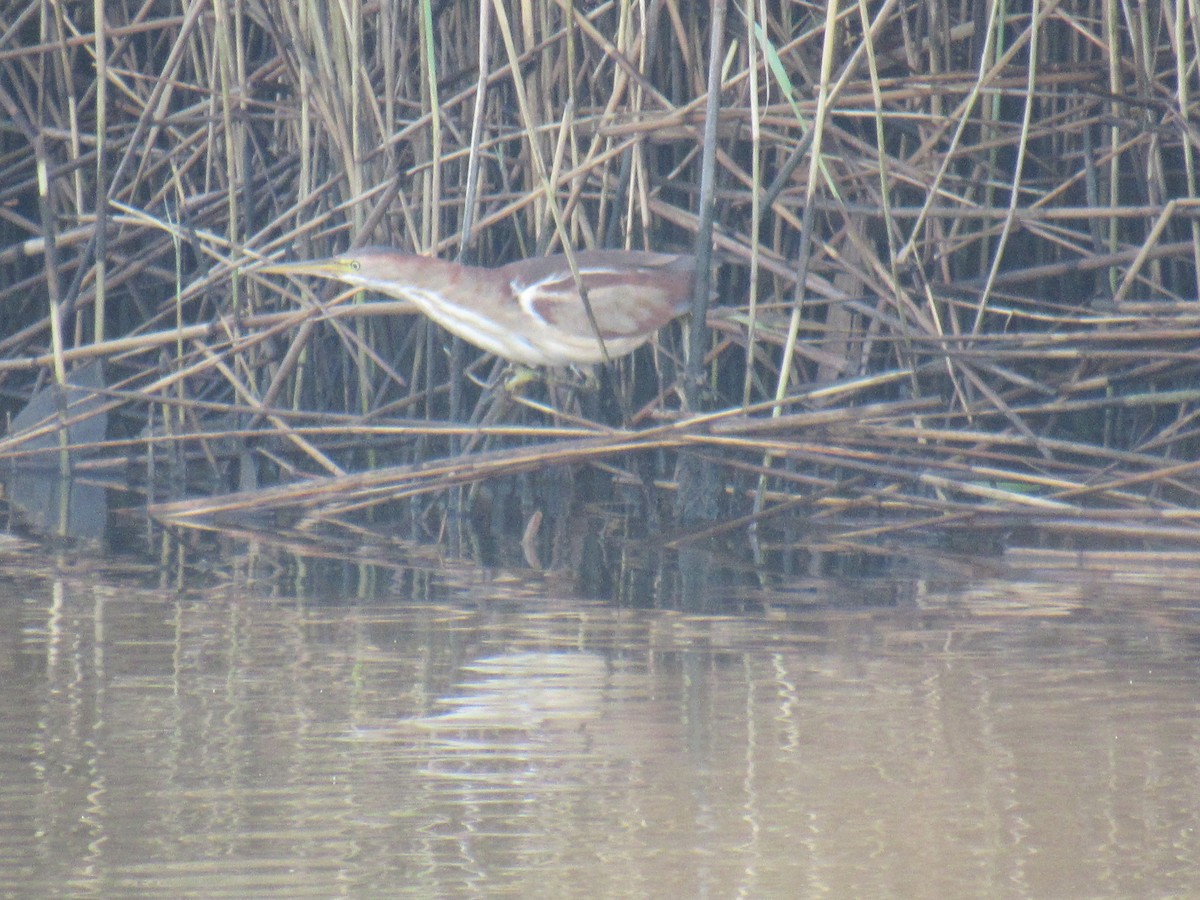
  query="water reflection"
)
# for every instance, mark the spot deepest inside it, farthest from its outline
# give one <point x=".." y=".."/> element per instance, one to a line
<point x="982" y="736"/>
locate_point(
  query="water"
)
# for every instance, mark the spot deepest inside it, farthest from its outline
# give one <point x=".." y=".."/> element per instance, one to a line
<point x="1023" y="728"/>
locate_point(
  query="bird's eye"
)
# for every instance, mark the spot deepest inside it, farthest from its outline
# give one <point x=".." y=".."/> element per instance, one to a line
<point x="355" y="265"/>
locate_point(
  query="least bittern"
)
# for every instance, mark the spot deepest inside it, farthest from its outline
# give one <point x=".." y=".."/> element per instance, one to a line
<point x="531" y="311"/>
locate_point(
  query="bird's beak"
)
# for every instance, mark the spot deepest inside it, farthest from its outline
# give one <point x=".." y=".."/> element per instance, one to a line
<point x="325" y="268"/>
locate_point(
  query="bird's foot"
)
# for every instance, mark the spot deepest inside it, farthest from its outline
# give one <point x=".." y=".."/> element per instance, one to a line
<point x="518" y="377"/>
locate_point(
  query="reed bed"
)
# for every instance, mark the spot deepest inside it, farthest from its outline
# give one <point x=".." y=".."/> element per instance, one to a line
<point x="955" y="260"/>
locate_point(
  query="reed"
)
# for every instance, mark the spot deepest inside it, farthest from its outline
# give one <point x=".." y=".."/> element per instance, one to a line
<point x="956" y="261"/>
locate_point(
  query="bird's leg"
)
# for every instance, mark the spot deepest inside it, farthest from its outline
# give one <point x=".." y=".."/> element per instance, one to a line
<point x="573" y="393"/>
<point x="557" y="400"/>
<point x="565" y="389"/>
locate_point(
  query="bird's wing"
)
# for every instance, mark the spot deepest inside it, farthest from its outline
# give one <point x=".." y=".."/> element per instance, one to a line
<point x="631" y="293"/>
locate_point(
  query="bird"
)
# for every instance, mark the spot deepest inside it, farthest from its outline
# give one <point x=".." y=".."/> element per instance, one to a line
<point x="528" y="312"/>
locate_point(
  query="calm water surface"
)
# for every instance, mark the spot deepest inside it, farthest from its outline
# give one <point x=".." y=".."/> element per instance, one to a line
<point x="480" y="733"/>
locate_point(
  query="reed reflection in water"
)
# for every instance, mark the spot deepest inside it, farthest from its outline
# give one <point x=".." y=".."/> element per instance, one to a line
<point x="989" y="737"/>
